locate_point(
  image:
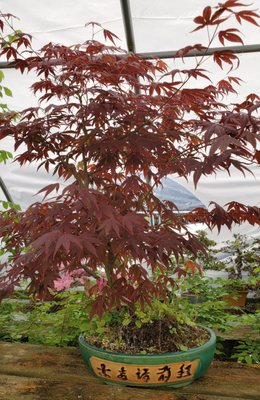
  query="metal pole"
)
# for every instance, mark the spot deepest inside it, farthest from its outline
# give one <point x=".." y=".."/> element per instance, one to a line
<point x="5" y="190"/>
<point x="128" y="25"/>
<point x="129" y="31"/>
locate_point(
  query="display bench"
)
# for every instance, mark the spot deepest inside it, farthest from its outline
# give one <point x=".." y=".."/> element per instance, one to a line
<point x="35" y="372"/>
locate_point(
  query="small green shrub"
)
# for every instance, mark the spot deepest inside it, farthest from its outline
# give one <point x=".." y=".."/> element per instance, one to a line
<point x="247" y="351"/>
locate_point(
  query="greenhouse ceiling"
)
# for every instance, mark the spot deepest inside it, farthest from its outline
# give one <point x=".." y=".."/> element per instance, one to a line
<point x="149" y="27"/>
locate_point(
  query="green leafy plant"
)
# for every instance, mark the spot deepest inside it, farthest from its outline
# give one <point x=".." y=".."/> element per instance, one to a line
<point x="204" y="302"/>
<point x="58" y="322"/>
<point x="5" y="155"/>
<point x="247" y="351"/>
<point x="211" y="313"/>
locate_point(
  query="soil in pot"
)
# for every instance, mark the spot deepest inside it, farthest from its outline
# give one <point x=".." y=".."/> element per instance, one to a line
<point x="159" y="336"/>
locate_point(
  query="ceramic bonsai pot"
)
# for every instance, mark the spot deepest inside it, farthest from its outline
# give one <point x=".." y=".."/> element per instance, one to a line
<point x="193" y="298"/>
<point x="150" y="370"/>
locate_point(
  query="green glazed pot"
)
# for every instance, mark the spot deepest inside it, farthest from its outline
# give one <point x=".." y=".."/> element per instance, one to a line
<point x="150" y="370"/>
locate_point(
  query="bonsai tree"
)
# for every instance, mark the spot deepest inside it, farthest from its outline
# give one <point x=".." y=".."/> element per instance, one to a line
<point x="112" y="129"/>
<point x="243" y="256"/>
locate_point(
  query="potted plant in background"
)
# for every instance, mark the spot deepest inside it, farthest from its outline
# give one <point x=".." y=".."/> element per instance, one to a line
<point x="114" y="131"/>
<point x="243" y="257"/>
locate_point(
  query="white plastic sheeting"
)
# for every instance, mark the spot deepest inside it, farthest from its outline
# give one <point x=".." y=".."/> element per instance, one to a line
<point x="23" y="184"/>
<point x="158" y="26"/>
<point x="223" y="189"/>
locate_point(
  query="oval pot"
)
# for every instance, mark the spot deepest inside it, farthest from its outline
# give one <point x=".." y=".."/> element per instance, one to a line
<point x="150" y="370"/>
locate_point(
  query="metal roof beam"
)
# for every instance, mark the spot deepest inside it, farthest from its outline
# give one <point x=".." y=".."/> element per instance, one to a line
<point x="250" y="48"/>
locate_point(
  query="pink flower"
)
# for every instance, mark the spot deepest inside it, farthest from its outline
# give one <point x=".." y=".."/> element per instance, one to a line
<point x="78" y="272"/>
<point x="63" y="282"/>
<point x="101" y="283"/>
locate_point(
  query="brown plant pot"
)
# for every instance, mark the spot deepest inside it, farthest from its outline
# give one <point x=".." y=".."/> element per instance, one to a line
<point x="237" y="298"/>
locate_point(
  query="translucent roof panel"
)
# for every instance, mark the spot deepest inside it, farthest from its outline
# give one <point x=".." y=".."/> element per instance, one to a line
<point x="158" y="25"/>
<point x="64" y="21"/>
<point x="167" y="25"/>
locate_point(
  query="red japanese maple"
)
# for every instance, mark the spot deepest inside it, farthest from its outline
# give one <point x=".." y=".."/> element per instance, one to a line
<point x="108" y="124"/>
